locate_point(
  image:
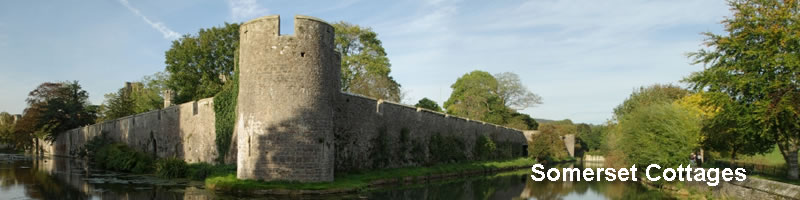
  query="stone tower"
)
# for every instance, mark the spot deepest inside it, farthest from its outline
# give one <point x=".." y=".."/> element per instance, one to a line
<point x="287" y="89"/>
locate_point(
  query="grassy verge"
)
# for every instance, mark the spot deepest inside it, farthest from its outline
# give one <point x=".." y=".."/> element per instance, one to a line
<point x="773" y="158"/>
<point x="362" y="180"/>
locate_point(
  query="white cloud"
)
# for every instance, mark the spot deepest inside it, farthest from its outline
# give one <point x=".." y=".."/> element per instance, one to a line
<point x="242" y="10"/>
<point x="582" y="57"/>
<point x="160" y="27"/>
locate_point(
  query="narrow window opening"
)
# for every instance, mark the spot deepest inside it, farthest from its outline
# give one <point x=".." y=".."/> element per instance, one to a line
<point x="302" y="54"/>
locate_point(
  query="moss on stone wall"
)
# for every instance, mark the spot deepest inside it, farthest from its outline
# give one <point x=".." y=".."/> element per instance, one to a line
<point x="446" y="149"/>
<point x="225" y="111"/>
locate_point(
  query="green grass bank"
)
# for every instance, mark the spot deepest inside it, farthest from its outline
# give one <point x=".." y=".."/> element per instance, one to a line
<point x="354" y="182"/>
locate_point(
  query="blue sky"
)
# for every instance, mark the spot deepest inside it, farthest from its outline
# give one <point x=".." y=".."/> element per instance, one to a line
<point x="582" y="57"/>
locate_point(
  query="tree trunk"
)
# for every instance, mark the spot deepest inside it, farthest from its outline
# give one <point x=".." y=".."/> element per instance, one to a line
<point x="789" y="152"/>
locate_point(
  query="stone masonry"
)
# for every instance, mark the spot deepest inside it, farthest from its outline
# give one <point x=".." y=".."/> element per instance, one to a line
<point x="288" y="85"/>
<point x="293" y="123"/>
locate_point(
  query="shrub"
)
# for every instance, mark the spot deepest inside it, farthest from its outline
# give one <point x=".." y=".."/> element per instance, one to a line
<point x="546" y="145"/>
<point x="664" y="134"/>
<point x="446" y="149"/>
<point x="484" y="147"/>
<point x="171" y="168"/>
<point x="120" y="157"/>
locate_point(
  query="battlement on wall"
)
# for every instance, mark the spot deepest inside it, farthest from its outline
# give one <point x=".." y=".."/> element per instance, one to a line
<point x="293" y="122"/>
<point x="288" y="85"/>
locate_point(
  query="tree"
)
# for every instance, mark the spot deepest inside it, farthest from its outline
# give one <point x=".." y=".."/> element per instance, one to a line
<point x="650" y="95"/>
<point x="522" y="121"/>
<point x="560" y="128"/>
<point x="756" y="64"/>
<point x="723" y="132"/>
<point x="547" y="145"/>
<point x="135" y="97"/>
<point x="365" y="67"/>
<point x="199" y="65"/>
<point x="662" y="133"/>
<point x="6" y="128"/>
<point x="54" y="108"/>
<point x="513" y="93"/>
<point x="594" y="138"/>
<point x="428" y="104"/>
<point x="475" y="96"/>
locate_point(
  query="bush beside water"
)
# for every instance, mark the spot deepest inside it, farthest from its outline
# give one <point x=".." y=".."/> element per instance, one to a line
<point x="116" y="156"/>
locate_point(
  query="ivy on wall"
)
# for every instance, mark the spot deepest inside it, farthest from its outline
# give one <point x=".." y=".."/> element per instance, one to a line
<point x="225" y="110"/>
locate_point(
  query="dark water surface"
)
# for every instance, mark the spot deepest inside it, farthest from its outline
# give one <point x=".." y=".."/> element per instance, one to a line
<point x="25" y="177"/>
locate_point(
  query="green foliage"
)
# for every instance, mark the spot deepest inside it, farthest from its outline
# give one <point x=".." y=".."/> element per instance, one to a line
<point x="365" y="67"/>
<point x="725" y="133"/>
<point x="522" y="121"/>
<point x="560" y="128"/>
<point x="546" y="146"/>
<point x="120" y="157"/>
<point x="229" y="182"/>
<point x="201" y="171"/>
<point x="171" y="168"/>
<point x="654" y="94"/>
<point x="484" y="147"/>
<point x="55" y="108"/>
<point x="478" y="95"/>
<point x="6" y="128"/>
<point x="225" y="112"/>
<point x="594" y="137"/>
<point x="200" y="65"/>
<point x="664" y="134"/>
<point x="135" y="97"/>
<point x="429" y="104"/>
<point x="475" y="96"/>
<point x="756" y="65"/>
<point x="446" y="149"/>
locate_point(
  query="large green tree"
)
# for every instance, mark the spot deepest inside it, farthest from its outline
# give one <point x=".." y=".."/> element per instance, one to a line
<point x="661" y="133"/>
<point x="757" y="64"/>
<point x="475" y="96"/>
<point x="199" y="65"/>
<point x="56" y="107"/>
<point x="479" y="95"/>
<point x="723" y="132"/>
<point x="365" y="67"/>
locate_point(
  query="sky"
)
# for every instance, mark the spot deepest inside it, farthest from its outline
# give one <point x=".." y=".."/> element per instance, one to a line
<point x="583" y="57"/>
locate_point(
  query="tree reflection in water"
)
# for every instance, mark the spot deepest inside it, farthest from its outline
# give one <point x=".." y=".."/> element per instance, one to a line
<point x="61" y="178"/>
<point x="519" y="185"/>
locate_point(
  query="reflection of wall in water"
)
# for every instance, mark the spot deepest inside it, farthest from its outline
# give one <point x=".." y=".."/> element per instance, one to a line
<point x="502" y="187"/>
<point x="74" y="174"/>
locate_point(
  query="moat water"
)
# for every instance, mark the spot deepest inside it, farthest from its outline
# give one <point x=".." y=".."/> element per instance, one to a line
<point x="26" y="177"/>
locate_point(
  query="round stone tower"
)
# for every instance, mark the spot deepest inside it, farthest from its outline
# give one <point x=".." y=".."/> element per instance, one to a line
<point x="287" y="88"/>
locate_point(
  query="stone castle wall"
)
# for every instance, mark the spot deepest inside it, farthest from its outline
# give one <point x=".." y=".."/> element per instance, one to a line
<point x="293" y="123"/>
<point x="360" y="121"/>
<point x="287" y="88"/>
<point x="183" y="131"/>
